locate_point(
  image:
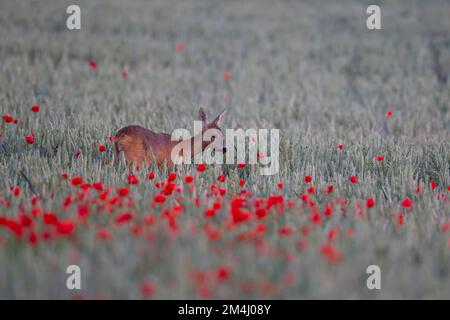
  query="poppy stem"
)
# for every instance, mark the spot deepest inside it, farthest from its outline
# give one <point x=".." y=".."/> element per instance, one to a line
<point x="22" y="173"/>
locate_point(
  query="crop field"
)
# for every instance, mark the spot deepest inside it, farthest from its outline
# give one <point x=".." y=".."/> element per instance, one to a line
<point x="364" y="150"/>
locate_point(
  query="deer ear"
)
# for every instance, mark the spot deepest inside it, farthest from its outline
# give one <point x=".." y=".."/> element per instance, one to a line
<point x="202" y="115"/>
<point x="218" y="120"/>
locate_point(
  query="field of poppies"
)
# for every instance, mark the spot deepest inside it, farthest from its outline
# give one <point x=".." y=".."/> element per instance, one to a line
<point x="364" y="173"/>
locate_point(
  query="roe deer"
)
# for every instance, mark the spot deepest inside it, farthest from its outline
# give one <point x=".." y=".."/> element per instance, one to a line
<point x="141" y="145"/>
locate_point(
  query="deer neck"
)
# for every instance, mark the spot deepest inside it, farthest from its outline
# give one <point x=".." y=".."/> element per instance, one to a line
<point x="194" y="144"/>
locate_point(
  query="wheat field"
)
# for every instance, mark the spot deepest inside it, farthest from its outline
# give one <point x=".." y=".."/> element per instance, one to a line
<point x="366" y="112"/>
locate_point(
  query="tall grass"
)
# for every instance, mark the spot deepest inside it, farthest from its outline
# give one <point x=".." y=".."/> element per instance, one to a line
<point x="310" y="69"/>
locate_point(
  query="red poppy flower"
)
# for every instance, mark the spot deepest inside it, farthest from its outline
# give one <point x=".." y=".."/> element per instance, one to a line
<point x="407" y="203"/>
<point x="65" y="227"/>
<point x="213" y="233"/>
<point x="210" y="212"/>
<point x="223" y="273"/>
<point x="33" y="238"/>
<point x="261" y="212"/>
<point x="419" y="189"/>
<point x="311" y="189"/>
<point x="226" y="75"/>
<point x="159" y="198"/>
<point x="221" y="178"/>
<point x="353" y="179"/>
<point x="330" y="188"/>
<point x="328" y="211"/>
<point x="400" y="218"/>
<point x="305" y="197"/>
<point x="170" y="186"/>
<point x="92" y="64"/>
<point x="188" y="179"/>
<point x="124" y="191"/>
<point x="102" y="148"/>
<point x="305" y="230"/>
<point x="280" y="185"/>
<point x="98" y="186"/>
<point x="103" y="234"/>
<point x="445" y="227"/>
<point x="15" y="191"/>
<point x="83" y="212"/>
<point x="180" y="47"/>
<point x="29" y="139"/>
<point x="217" y="205"/>
<point x="85" y="186"/>
<point x="64" y="175"/>
<point x="340" y="146"/>
<point x="239" y="215"/>
<point x="389" y="113"/>
<point x="124" y="74"/>
<point x="151" y="175"/>
<point x="379" y="158"/>
<point x="332" y="234"/>
<point x="172" y="176"/>
<point x="330" y="253"/>
<point x="260" y="228"/>
<point x="159" y="184"/>
<point x="124" y="217"/>
<point x="433" y="185"/>
<point x="147" y="289"/>
<point x="13" y="226"/>
<point x="46" y="235"/>
<point x="7" y="118"/>
<point x="50" y="218"/>
<point x="285" y="231"/>
<point x="370" y="202"/>
<point x="149" y="219"/>
<point x="240" y="165"/>
<point x="241" y="183"/>
<point x="35" y="108"/>
<point x="67" y="202"/>
<point x="308" y="179"/>
<point x="25" y="220"/>
<point x="132" y="179"/>
<point x="77" y="181"/>
<point x="316" y="219"/>
<point x="201" y="167"/>
<point x="34" y="200"/>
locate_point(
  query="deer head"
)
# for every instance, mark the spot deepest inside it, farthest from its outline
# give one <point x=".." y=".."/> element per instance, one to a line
<point x="212" y="133"/>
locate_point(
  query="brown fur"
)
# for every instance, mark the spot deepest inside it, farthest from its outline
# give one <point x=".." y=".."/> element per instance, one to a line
<point x="143" y="146"/>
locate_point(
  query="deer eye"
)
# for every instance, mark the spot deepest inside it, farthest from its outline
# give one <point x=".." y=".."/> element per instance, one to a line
<point x="213" y="138"/>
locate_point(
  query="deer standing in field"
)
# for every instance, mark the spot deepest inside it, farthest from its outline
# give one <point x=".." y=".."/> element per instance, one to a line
<point x="144" y="146"/>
